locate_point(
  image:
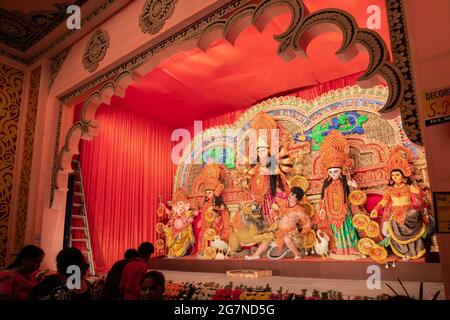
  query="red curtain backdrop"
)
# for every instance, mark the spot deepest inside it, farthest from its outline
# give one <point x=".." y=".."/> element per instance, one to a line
<point x="314" y="91"/>
<point x="124" y="169"/>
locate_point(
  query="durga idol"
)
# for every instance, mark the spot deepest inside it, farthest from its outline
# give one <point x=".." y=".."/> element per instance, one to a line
<point x="267" y="177"/>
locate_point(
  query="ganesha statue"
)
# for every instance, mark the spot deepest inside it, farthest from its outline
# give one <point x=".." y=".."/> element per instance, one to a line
<point x="178" y="230"/>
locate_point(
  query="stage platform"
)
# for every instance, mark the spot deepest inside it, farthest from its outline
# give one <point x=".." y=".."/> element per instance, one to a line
<point x="308" y="267"/>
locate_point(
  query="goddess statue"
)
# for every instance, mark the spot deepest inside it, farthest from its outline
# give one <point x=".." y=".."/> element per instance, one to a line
<point x="214" y="220"/>
<point x="178" y="230"/>
<point x="267" y="176"/>
<point x="335" y="210"/>
<point x="405" y="216"/>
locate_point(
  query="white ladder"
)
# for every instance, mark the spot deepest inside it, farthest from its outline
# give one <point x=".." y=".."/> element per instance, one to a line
<point x="80" y="206"/>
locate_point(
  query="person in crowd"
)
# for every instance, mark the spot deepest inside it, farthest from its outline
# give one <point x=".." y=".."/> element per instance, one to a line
<point x="111" y="287"/>
<point x="152" y="286"/>
<point x="17" y="280"/>
<point x="69" y="283"/>
<point x="134" y="271"/>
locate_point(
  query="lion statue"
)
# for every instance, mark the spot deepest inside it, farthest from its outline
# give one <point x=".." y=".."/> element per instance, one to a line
<point x="246" y="226"/>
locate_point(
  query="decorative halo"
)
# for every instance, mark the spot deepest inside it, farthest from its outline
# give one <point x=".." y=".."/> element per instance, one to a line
<point x="309" y="209"/>
<point x="310" y="239"/>
<point x="299" y="181"/>
<point x="357" y="197"/>
<point x="161" y="211"/>
<point x="372" y="229"/>
<point x="210" y="233"/>
<point x="160" y="243"/>
<point x="360" y="221"/>
<point x="160" y="227"/>
<point x="210" y="215"/>
<point x="364" y="245"/>
<point x="209" y="253"/>
<point x="378" y="253"/>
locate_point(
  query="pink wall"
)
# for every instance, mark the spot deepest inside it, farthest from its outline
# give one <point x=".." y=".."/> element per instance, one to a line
<point x="428" y="25"/>
<point x="48" y="223"/>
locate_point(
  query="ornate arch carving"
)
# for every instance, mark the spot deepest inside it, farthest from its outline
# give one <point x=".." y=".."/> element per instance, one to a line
<point x="304" y="27"/>
<point x="85" y="128"/>
<point x="237" y="23"/>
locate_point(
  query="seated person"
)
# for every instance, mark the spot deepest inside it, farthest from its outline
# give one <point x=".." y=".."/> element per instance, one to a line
<point x="59" y="286"/>
<point x="17" y="281"/>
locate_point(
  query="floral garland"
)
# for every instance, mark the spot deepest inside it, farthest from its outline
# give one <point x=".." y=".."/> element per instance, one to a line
<point x="214" y="291"/>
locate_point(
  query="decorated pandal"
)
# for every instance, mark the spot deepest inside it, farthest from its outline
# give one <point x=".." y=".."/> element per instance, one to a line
<point x="330" y="178"/>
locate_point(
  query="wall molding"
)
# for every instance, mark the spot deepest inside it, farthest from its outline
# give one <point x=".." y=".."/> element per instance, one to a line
<point x="402" y="59"/>
<point x="56" y="65"/>
<point x="27" y="159"/>
<point x="55" y="153"/>
<point x="12" y="81"/>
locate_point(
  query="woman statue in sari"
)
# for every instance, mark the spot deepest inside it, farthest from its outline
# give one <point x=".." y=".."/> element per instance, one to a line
<point x="404" y="217"/>
<point x="214" y="220"/>
<point x="178" y="230"/>
<point x="335" y="210"/>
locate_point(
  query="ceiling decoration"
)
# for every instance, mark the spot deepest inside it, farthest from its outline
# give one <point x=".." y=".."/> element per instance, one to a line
<point x="154" y="15"/>
<point x="21" y="30"/>
<point x="95" y="50"/>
